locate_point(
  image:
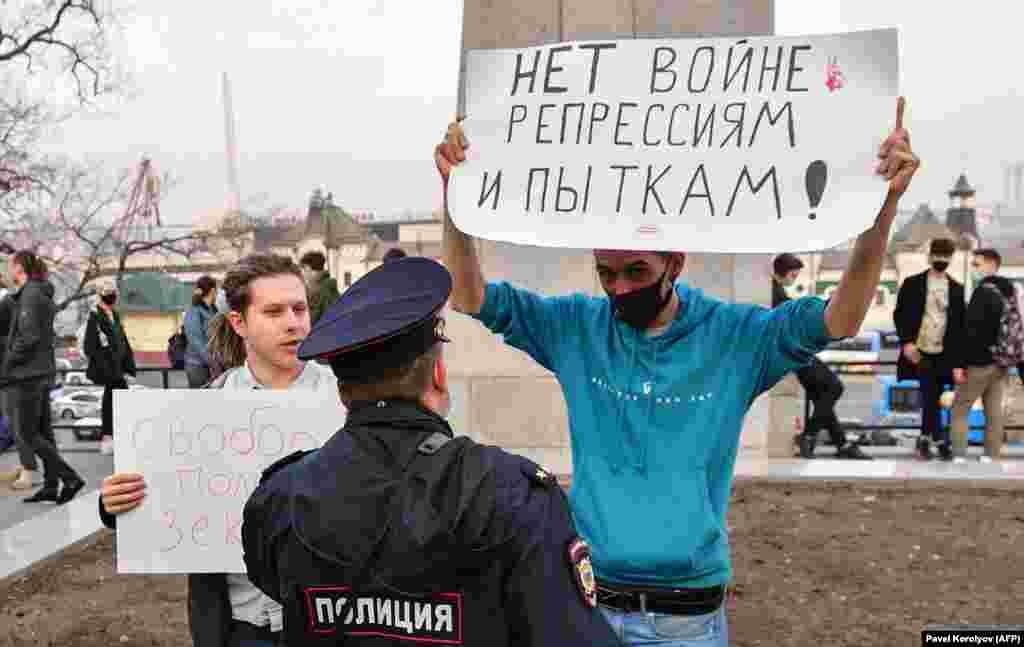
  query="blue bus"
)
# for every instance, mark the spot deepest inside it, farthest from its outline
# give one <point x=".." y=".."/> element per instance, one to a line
<point x="899" y="403"/>
<point x="865" y="347"/>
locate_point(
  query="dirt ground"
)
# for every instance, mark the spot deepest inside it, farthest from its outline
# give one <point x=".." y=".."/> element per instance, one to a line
<point x="817" y="563"/>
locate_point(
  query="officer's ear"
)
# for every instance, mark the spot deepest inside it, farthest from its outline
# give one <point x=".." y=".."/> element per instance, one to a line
<point x="440" y="374"/>
<point x="346" y="401"/>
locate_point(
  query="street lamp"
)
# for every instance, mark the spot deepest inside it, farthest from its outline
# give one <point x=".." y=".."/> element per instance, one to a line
<point x="967" y="243"/>
<point x="961" y="218"/>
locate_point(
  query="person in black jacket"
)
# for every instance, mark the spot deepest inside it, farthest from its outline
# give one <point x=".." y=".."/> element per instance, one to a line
<point x="6" y="309"/>
<point x="29" y="367"/>
<point x="929" y="318"/>
<point x="823" y="387"/>
<point x="397" y="531"/>
<point x="985" y="378"/>
<point x="110" y="358"/>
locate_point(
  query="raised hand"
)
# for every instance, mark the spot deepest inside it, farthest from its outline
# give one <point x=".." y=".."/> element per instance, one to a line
<point x="451" y="151"/>
<point x="898" y="162"/>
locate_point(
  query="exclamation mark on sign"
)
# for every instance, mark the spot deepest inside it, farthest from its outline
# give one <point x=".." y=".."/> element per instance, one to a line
<point x="815" y="180"/>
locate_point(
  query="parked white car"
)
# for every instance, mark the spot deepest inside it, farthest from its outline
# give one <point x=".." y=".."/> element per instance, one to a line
<point x="77" y="378"/>
<point x="87" y="428"/>
<point x="84" y="404"/>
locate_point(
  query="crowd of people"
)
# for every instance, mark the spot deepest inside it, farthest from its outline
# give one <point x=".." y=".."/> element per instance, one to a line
<point x="947" y="345"/>
<point x="398" y="530"/>
<point x="945" y="341"/>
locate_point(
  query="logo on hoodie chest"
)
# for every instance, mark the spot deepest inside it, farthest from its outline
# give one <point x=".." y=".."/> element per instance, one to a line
<point x="646" y="392"/>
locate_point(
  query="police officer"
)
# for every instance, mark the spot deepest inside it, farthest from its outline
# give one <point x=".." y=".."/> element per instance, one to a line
<point x="397" y="531"/>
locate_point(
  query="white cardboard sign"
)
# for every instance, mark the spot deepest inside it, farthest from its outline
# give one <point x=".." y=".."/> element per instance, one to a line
<point x="754" y="144"/>
<point x="202" y="453"/>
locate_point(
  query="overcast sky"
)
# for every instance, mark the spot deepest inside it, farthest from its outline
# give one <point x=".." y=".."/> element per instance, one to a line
<point x="353" y="95"/>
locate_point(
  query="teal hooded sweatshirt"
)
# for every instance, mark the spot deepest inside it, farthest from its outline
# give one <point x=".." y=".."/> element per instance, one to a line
<point x="655" y="421"/>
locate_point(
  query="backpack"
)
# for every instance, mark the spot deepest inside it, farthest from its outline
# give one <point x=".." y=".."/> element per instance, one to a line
<point x="1008" y="351"/>
<point x="177" y="344"/>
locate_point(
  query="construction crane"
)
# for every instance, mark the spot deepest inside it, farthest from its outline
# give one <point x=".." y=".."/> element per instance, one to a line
<point x="143" y="208"/>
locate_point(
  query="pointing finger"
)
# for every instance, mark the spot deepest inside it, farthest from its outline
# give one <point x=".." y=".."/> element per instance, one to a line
<point x="901" y="104"/>
<point x="456" y="141"/>
<point x="444" y="167"/>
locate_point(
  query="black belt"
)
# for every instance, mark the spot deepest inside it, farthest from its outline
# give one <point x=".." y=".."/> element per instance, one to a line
<point x="241" y="630"/>
<point x="684" y="602"/>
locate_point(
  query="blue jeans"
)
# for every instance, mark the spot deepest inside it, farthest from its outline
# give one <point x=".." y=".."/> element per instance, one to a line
<point x="707" y="630"/>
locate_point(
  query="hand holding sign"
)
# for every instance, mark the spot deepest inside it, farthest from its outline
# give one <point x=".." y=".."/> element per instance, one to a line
<point x="122" y="492"/>
<point x="898" y="163"/>
<point x="194" y="457"/>
<point x="450" y="152"/>
<point x="703" y="145"/>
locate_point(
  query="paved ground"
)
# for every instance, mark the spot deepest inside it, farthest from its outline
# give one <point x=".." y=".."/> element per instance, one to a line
<point x="33" y="531"/>
<point x="83" y="456"/>
<point x="837" y="563"/>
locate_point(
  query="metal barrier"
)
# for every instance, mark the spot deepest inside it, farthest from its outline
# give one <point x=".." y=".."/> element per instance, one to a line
<point x="866" y="427"/>
<point x="165" y="375"/>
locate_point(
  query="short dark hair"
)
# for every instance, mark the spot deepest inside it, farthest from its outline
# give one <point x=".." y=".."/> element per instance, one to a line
<point x="31" y="264"/>
<point x="990" y="254"/>
<point x="204" y="286"/>
<point x="786" y="263"/>
<point x="404" y="382"/>
<point x="942" y="247"/>
<point x="394" y="254"/>
<point x="314" y="260"/>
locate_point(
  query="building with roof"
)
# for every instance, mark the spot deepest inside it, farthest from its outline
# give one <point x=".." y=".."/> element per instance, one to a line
<point x="157" y="287"/>
<point x="152" y="307"/>
<point x="908" y="252"/>
<point x="352" y="248"/>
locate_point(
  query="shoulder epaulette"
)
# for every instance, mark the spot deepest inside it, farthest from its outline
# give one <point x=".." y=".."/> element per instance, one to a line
<point x="284" y="462"/>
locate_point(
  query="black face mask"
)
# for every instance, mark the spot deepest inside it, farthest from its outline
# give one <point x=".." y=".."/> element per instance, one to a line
<point x="641" y="307"/>
<point x="940" y="266"/>
<point x="109" y="299"/>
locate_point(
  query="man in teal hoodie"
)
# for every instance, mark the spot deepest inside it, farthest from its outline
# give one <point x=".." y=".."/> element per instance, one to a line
<point x="658" y="378"/>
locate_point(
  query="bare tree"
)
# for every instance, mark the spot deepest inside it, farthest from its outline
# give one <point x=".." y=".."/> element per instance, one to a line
<point x="50" y="50"/>
<point x="86" y="227"/>
<point x="65" y="37"/>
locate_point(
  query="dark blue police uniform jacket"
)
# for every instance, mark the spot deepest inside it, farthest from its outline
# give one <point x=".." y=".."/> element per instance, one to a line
<point x="393" y="534"/>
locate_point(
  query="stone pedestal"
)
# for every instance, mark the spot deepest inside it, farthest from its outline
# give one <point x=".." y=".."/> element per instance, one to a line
<point x="500" y="395"/>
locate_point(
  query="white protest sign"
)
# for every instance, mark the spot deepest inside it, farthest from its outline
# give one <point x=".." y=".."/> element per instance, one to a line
<point x="201" y="453"/>
<point x="756" y="144"/>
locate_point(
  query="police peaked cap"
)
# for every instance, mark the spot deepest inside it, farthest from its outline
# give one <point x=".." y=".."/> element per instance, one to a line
<point x="385" y="320"/>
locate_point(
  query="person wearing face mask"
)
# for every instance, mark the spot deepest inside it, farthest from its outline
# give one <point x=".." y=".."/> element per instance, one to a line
<point x="929" y="318"/>
<point x="110" y="358"/>
<point x="397" y="532"/>
<point x="985" y="371"/>
<point x="657" y="379"/>
<point x="823" y="387"/>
